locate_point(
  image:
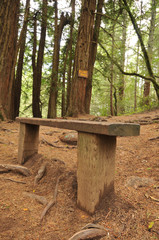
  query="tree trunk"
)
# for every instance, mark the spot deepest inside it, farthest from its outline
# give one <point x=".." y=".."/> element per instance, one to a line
<point x="65" y="59"/>
<point x="81" y="61"/>
<point x="54" y="77"/>
<point x="137" y="62"/>
<point x="150" y="49"/>
<point x="93" y="51"/>
<point x="112" y="64"/>
<point x="69" y="78"/>
<point x="137" y="68"/>
<point x="18" y="77"/>
<point x="37" y="66"/>
<point x="123" y="49"/>
<point x="64" y="20"/>
<point x="9" y="12"/>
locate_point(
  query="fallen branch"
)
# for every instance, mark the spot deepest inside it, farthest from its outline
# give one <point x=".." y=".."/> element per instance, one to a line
<point x="155" y="199"/>
<point x="97" y="226"/>
<point x="52" y="201"/>
<point x="40" y="174"/>
<point x="40" y="199"/>
<point x="15" y="168"/>
<point x="92" y="233"/>
<point x="13" y="180"/>
<point x="151" y="139"/>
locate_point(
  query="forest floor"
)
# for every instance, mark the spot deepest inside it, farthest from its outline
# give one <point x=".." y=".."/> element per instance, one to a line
<point x="131" y="213"/>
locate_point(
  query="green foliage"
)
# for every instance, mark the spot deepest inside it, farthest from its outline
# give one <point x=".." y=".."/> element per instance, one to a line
<point x="26" y="96"/>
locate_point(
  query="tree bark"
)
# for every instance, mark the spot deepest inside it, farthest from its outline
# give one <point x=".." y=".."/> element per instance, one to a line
<point x="65" y="59"/>
<point x="37" y="65"/>
<point x="112" y="73"/>
<point x="93" y="52"/>
<point x="34" y="65"/>
<point x="81" y="61"/>
<point x="69" y="78"/>
<point x="121" y="107"/>
<point x="64" y="20"/>
<point x="137" y="68"/>
<point x="9" y="13"/>
<point x="18" y="78"/>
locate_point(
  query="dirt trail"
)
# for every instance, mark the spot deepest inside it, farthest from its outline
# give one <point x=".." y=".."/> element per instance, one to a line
<point x="132" y="213"/>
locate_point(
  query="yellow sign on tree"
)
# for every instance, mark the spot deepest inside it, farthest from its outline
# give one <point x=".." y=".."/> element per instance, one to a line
<point x="83" y="73"/>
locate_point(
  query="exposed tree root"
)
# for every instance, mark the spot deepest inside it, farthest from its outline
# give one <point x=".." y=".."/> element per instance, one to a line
<point x="15" y="168"/>
<point x="13" y="180"/>
<point x="40" y="174"/>
<point x="52" y="201"/>
<point x="40" y="199"/>
<point x="91" y="233"/>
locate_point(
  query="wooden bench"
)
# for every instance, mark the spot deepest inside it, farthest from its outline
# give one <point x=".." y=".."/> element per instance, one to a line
<point x="95" y="153"/>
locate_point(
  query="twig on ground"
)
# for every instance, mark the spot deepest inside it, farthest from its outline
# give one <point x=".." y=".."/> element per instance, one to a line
<point x="40" y="174"/>
<point x="15" y="168"/>
<point x="40" y="199"/>
<point x="155" y="199"/>
<point x="151" y="139"/>
<point x="92" y="233"/>
<point x="13" y="180"/>
<point x="52" y="201"/>
<point x="107" y="214"/>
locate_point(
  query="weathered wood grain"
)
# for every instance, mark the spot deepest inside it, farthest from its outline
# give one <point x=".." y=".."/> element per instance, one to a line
<point x="28" y="141"/>
<point x="95" y="169"/>
<point x="104" y="128"/>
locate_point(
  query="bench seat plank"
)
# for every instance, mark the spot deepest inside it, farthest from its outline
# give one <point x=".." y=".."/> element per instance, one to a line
<point x="106" y="128"/>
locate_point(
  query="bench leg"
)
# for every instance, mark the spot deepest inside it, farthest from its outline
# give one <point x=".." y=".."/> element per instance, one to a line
<point x="95" y="169"/>
<point x="28" y="141"/>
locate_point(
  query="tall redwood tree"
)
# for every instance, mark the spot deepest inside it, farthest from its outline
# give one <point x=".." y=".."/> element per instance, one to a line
<point x="9" y="13"/>
<point x="81" y="61"/>
<point x="37" y="61"/>
<point x="85" y="53"/>
<point x="59" y="26"/>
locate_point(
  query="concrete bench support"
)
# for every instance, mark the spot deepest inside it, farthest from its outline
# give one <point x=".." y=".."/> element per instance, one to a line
<point x="95" y="153"/>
